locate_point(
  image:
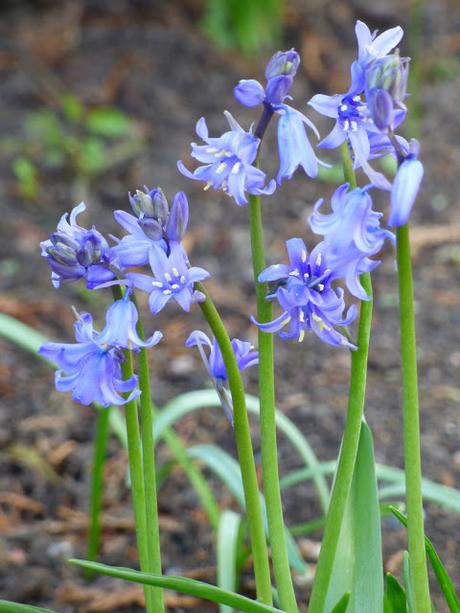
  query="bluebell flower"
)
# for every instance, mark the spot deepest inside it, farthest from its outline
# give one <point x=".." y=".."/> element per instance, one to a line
<point x="306" y="296"/>
<point x="90" y="368"/>
<point x="120" y="329"/>
<point x="214" y="363"/>
<point x="228" y="162"/>
<point x="293" y="145"/>
<point x="172" y="279"/>
<point x="74" y="253"/>
<point x="405" y="187"/>
<point x="154" y="224"/>
<point x="372" y="45"/>
<point x="352" y="234"/>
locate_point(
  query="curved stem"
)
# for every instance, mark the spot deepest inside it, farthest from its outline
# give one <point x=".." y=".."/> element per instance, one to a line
<point x="245" y="450"/>
<point x="276" y="527"/>
<point x="412" y="459"/>
<point x="350" y="439"/>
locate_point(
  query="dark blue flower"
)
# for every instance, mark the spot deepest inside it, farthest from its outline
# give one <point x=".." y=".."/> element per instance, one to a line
<point x="154" y="224"/>
<point x="214" y="363"/>
<point x="172" y="279"/>
<point x="405" y="187"/>
<point x="228" y="162"/>
<point x="90" y="368"/>
<point x="74" y="253"/>
<point x="308" y="301"/>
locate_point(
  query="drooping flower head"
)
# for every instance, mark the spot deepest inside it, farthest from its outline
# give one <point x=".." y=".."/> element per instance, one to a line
<point x="306" y="296"/>
<point x="214" y="363"/>
<point x="352" y="234"/>
<point x="154" y="224"/>
<point x="172" y="279"/>
<point x="228" y="162"/>
<point x="90" y="368"/>
<point x="73" y="252"/>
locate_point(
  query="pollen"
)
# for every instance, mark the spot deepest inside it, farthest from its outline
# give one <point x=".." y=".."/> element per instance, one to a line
<point x="175" y="272"/>
<point x="167" y="276"/>
<point x="167" y="292"/>
<point x="207" y="186"/>
<point x="220" y="169"/>
<point x="157" y="284"/>
<point x="319" y="259"/>
<point x="175" y="286"/>
<point x="236" y="168"/>
<point x="304" y="255"/>
<point x="182" y="279"/>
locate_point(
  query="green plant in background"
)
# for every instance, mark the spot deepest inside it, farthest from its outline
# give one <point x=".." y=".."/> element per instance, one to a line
<point x="85" y="142"/>
<point x="248" y="26"/>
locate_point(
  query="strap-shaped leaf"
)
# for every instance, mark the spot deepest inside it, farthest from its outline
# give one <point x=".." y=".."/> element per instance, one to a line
<point x="206" y="591"/>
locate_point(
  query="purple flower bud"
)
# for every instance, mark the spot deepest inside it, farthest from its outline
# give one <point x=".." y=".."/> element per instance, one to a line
<point x="405" y="189"/>
<point x="381" y="108"/>
<point x="92" y="247"/>
<point x="160" y="205"/>
<point x="389" y="73"/>
<point x="151" y="228"/>
<point x="178" y="218"/>
<point x="282" y="63"/>
<point x="277" y="89"/>
<point x="249" y="92"/>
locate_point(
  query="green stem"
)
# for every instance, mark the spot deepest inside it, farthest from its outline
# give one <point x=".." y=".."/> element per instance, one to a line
<point x="100" y="446"/>
<point x="244" y="448"/>
<point x="137" y="480"/>
<point x="148" y="454"/>
<point x="412" y="455"/>
<point x="276" y="526"/>
<point x="350" y="440"/>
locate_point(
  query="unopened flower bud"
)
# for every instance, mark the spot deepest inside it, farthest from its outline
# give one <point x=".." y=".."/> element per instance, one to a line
<point x="62" y="253"/>
<point x="91" y="248"/>
<point x="178" y="219"/>
<point x="152" y="228"/>
<point x="389" y="73"/>
<point x="381" y="108"/>
<point x="283" y="63"/>
<point x="160" y="205"/>
<point x="249" y="92"/>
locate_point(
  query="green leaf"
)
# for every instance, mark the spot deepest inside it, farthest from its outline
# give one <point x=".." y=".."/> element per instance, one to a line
<point x="358" y="565"/>
<point x="228" y="545"/>
<point x="442" y="576"/>
<point x="395" y="597"/>
<point x="186" y="403"/>
<point x="26" y="174"/>
<point x="7" y="606"/>
<point x="93" y="156"/>
<point x="72" y="108"/>
<point x="342" y="605"/>
<point x="192" y="587"/>
<point x="228" y="470"/>
<point x="108" y="122"/>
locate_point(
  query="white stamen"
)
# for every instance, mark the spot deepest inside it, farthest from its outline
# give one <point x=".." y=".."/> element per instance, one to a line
<point x="302" y="316"/>
<point x="207" y="186"/>
<point x="354" y="126"/>
<point x="304" y="255"/>
<point x="167" y="276"/>
<point x="343" y="107"/>
<point x="320" y="287"/>
<point x="211" y="150"/>
<point x="346" y="124"/>
<point x="356" y="98"/>
<point x="294" y="273"/>
<point x="220" y="154"/>
<point x="306" y="275"/>
<point x="175" y="272"/>
<point x="319" y="259"/>
<point x="182" y="279"/>
<point x="175" y="286"/>
<point x="157" y="284"/>
<point x="236" y="168"/>
<point x="301" y="335"/>
<point x="221" y="168"/>
<point x="167" y="292"/>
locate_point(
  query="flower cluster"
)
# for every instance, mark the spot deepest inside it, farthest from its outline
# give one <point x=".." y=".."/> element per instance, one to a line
<point x="308" y="288"/>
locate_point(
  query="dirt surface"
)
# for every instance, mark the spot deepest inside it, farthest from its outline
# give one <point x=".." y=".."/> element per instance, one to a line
<point x="151" y="62"/>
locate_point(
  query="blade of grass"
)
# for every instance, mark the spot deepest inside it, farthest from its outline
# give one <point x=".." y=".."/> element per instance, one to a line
<point x="228" y="543"/>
